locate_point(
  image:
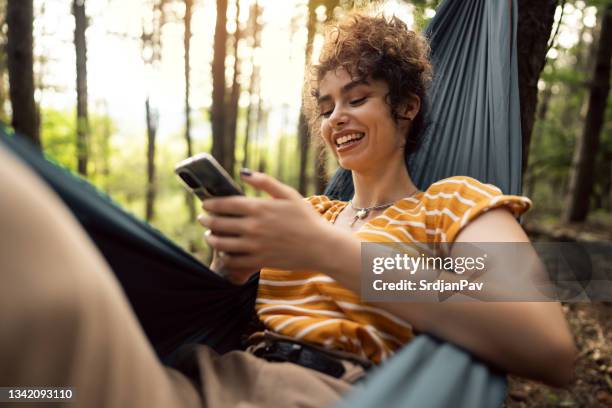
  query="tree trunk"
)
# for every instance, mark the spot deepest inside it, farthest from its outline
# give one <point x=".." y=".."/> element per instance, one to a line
<point x="609" y="206"/>
<point x="189" y="200"/>
<point x="253" y="82"/>
<point x="261" y="121"/>
<point x="302" y="123"/>
<point x="151" y="53"/>
<point x="151" y="118"/>
<point x="218" y="93"/>
<point x="187" y="46"/>
<point x="260" y="155"/>
<point x="282" y="157"/>
<point x="585" y="57"/>
<point x="3" y="90"/>
<point x="19" y="49"/>
<point x="582" y="176"/>
<point x="320" y="162"/>
<point x="535" y="20"/>
<point x="106" y="150"/>
<point x="247" y="126"/>
<point x="320" y="169"/>
<point x="80" y="46"/>
<point x="282" y="144"/>
<point x="232" y="108"/>
<point x="545" y="103"/>
<point x="3" y="95"/>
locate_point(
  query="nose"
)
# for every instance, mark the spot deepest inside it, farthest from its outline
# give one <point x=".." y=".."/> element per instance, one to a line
<point x="338" y="117"/>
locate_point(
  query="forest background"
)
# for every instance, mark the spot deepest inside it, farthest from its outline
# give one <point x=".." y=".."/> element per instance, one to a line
<point x="119" y="91"/>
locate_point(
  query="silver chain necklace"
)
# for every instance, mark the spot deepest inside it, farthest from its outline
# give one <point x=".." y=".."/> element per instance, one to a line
<point x="363" y="212"/>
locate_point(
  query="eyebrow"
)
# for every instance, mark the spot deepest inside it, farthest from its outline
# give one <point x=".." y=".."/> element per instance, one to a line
<point x="345" y="89"/>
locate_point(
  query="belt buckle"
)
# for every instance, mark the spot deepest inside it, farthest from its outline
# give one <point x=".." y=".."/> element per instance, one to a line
<point x="280" y="351"/>
<point x="295" y="352"/>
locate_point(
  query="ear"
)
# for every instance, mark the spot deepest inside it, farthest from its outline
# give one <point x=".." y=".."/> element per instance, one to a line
<point x="412" y="107"/>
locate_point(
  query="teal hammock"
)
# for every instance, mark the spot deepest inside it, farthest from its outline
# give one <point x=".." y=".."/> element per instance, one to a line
<point x="474" y="130"/>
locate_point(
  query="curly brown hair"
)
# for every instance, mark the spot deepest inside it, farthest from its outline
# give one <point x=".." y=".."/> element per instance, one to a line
<point x="380" y="48"/>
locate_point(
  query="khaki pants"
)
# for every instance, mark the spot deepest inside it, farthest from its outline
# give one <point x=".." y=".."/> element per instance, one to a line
<point x="65" y="321"/>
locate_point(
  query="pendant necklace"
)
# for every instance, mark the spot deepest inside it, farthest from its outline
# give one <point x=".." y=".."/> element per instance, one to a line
<point x="361" y="213"/>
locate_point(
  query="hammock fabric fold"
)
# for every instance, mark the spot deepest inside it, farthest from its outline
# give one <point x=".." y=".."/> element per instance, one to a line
<point x="429" y="374"/>
<point x="475" y="132"/>
<point x="176" y="299"/>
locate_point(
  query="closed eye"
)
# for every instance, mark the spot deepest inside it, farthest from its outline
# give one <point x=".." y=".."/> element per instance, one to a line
<point x="354" y="102"/>
<point x="357" y="102"/>
<point x="326" y="114"/>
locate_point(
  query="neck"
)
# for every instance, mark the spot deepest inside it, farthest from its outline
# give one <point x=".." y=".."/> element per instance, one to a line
<point x="382" y="185"/>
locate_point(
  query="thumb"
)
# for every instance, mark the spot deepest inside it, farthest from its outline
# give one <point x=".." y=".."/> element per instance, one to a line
<point x="270" y="185"/>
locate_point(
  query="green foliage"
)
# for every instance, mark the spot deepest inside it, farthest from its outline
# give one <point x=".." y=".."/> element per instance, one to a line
<point x="58" y="137"/>
<point x="598" y="3"/>
<point x="567" y="75"/>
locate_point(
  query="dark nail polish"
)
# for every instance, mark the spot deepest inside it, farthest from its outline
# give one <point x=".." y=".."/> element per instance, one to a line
<point x="245" y="172"/>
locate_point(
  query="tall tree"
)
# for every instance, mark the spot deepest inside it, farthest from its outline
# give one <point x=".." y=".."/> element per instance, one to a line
<point x="19" y="49"/>
<point x="80" y="46"/>
<point x="3" y="68"/>
<point x="189" y="200"/>
<point x="320" y="164"/>
<point x="152" y="123"/>
<point x="187" y="46"/>
<point x="253" y="81"/>
<point x="219" y="147"/>
<point x="582" y="176"/>
<point x="234" y="96"/>
<point x="151" y="54"/>
<point x="261" y="130"/>
<point x="302" y="122"/>
<point x="585" y="57"/>
<point x="535" y="21"/>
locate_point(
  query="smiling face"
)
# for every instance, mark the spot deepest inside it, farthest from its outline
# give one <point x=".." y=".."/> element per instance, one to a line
<point x="356" y="122"/>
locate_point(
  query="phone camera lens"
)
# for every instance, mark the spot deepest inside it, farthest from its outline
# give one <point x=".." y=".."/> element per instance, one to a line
<point x="189" y="180"/>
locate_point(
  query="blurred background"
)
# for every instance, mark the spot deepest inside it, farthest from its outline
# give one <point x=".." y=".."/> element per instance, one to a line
<point x="118" y="91"/>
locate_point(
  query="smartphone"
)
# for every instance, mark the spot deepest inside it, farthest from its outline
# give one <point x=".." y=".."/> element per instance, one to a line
<point x="205" y="177"/>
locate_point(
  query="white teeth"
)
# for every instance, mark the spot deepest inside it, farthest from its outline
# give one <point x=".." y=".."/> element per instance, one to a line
<point x="344" y="139"/>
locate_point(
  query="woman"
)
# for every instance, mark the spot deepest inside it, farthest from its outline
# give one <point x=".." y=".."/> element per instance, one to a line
<point x="368" y="93"/>
<point x="67" y="322"/>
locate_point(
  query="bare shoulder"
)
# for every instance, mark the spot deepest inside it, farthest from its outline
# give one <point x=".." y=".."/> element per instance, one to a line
<point x="497" y="225"/>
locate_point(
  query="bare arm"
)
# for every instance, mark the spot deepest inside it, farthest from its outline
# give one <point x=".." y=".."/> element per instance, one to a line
<point x="524" y="338"/>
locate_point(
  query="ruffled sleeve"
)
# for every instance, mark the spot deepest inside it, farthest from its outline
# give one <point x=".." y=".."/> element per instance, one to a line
<point x="454" y="202"/>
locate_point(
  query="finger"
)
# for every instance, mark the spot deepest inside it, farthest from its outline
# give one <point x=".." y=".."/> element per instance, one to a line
<point x="242" y="262"/>
<point x="225" y="225"/>
<point x="239" y="276"/>
<point x="234" y="205"/>
<point x="270" y="185"/>
<point x="229" y="244"/>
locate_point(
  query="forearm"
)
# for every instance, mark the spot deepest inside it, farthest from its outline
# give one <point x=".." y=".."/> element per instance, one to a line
<point x="523" y="338"/>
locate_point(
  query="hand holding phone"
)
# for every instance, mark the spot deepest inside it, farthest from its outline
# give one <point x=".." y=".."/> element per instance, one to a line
<point x="205" y="177"/>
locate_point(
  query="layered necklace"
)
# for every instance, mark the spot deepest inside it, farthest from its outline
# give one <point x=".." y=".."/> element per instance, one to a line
<point x="361" y="213"/>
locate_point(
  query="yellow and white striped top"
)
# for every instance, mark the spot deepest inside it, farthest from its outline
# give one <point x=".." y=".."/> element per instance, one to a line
<point x="312" y="307"/>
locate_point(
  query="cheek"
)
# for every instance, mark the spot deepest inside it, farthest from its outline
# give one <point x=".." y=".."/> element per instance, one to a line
<point x="326" y="135"/>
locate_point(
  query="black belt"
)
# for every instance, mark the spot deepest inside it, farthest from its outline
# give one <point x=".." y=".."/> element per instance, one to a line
<point x="286" y="351"/>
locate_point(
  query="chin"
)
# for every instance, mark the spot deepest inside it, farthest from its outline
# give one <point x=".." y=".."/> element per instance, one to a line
<point x="349" y="164"/>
